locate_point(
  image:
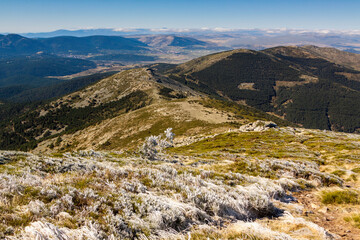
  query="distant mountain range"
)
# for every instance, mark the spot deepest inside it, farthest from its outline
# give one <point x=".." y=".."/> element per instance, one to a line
<point x="14" y="45"/>
<point x="27" y="62"/>
<point x="183" y="31"/>
<point x="234" y="38"/>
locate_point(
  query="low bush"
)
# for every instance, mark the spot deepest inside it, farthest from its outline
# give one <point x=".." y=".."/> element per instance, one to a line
<point x="340" y="197"/>
<point x="354" y="219"/>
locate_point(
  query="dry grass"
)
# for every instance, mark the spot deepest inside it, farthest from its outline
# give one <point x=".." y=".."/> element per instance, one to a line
<point x="210" y="188"/>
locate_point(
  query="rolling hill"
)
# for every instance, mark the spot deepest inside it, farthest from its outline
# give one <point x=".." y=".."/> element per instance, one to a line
<point x="162" y="41"/>
<point x="33" y="70"/>
<point x="91" y="44"/>
<point x="293" y="82"/>
<point x="21" y="94"/>
<point x="115" y="111"/>
<point x="14" y="45"/>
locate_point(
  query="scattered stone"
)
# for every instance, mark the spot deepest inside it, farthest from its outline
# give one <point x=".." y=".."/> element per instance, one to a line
<point x="9" y="230"/>
<point x="313" y="205"/>
<point x="323" y="210"/>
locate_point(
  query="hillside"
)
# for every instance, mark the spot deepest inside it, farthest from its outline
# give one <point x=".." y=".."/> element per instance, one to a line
<point x="91" y="44"/>
<point x="15" y="45"/>
<point x="19" y="94"/>
<point x="162" y="41"/>
<point x="118" y="110"/>
<point x="124" y="58"/>
<point x="292" y="82"/>
<point x="347" y="59"/>
<point x="33" y="70"/>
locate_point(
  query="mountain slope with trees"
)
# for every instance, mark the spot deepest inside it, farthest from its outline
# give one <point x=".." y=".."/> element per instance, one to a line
<point x="15" y="45"/>
<point x="292" y="82"/>
<point x="117" y="110"/>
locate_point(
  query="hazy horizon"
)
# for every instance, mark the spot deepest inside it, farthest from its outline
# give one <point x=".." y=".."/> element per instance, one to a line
<point x="23" y="16"/>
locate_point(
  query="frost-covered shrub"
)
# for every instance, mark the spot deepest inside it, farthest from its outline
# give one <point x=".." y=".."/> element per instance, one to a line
<point x="149" y="149"/>
<point x="47" y="231"/>
<point x="50" y="192"/>
<point x="163" y="213"/>
<point x="139" y="199"/>
<point x="154" y="144"/>
<point x="168" y="140"/>
<point x="303" y="169"/>
<point x="90" y="153"/>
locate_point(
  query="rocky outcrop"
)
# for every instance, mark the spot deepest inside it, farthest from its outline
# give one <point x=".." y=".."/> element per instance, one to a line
<point x="257" y="126"/>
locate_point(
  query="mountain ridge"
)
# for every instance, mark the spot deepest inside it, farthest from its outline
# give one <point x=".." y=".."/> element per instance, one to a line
<point x="153" y="101"/>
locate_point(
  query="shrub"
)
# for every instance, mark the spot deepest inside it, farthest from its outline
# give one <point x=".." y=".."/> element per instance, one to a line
<point x="354" y="219"/>
<point x="339" y="173"/>
<point x="340" y="197"/>
<point x="154" y="144"/>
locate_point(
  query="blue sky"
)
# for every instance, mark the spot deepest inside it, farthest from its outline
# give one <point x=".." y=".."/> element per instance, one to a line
<point x="40" y="15"/>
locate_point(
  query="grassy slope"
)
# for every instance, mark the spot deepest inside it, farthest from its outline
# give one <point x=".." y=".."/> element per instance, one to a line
<point x="188" y="117"/>
<point x="336" y="153"/>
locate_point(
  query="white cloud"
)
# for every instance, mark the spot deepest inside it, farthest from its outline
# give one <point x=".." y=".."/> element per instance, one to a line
<point x="125" y="30"/>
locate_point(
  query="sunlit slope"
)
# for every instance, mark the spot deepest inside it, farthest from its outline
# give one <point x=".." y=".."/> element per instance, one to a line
<point x="296" y="83"/>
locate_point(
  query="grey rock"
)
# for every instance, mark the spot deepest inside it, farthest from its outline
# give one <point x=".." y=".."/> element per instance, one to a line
<point x="257" y="126"/>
